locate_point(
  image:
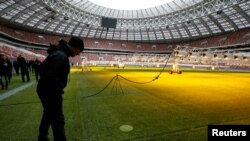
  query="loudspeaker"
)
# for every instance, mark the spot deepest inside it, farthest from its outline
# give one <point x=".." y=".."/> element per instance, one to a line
<point x="108" y="22"/>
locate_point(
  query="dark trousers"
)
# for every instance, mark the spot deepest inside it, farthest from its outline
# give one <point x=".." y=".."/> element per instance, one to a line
<point x="1" y="82"/>
<point x="6" y="78"/>
<point x="23" y="73"/>
<point x="9" y="76"/>
<point x="16" y="70"/>
<point x="4" y="83"/>
<point x="52" y="115"/>
<point x="37" y="74"/>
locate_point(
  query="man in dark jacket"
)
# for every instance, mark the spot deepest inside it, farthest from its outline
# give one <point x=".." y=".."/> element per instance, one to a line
<point x="7" y="70"/>
<point x="53" y="79"/>
<point x="37" y="67"/>
<point x="24" y="68"/>
<point x="1" y="71"/>
<point x="16" y="67"/>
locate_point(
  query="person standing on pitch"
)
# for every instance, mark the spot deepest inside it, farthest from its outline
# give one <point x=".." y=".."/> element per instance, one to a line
<point x="24" y="68"/>
<point x="37" y="67"/>
<point x="53" y="79"/>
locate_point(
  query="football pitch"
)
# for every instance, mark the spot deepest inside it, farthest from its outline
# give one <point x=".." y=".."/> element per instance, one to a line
<point x="131" y="104"/>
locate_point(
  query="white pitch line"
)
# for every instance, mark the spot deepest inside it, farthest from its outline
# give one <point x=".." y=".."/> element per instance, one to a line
<point x="16" y="90"/>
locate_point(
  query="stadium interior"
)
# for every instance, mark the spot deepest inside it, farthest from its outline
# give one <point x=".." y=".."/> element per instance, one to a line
<point x="179" y="36"/>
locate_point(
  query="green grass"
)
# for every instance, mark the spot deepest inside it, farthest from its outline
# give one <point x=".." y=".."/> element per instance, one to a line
<point x="16" y="81"/>
<point x="172" y="108"/>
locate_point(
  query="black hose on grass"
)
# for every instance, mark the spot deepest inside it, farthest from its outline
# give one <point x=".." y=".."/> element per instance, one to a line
<point x="117" y="75"/>
<point x="19" y="103"/>
<point x="29" y="102"/>
<point x="101" y="89"/>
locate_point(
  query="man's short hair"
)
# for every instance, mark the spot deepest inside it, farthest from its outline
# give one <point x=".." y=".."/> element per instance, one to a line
<point x="76" y="42"/>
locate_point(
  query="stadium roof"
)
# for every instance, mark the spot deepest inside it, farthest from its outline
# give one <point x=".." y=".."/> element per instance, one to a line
<point x="176" y="20"/>
<point x="124" y="4"/>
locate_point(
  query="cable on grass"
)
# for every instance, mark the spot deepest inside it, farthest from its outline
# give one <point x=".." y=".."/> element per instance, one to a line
<point x="29" y="102"/>
<point x="117" y="75"/>
<point x="101" y="89"/>
<point x="19" y="103"/>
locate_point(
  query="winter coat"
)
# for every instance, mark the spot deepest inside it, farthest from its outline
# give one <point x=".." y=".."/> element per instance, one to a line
<point x="54" y="70"/>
